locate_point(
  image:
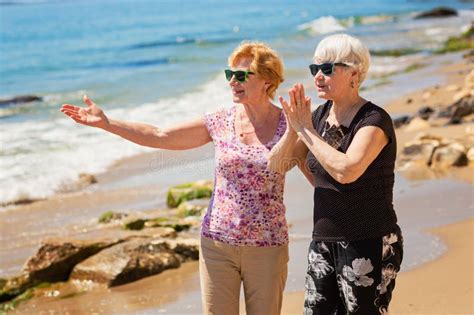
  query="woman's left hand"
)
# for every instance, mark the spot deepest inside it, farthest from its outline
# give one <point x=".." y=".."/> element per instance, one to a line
<point x="298" y="111"/>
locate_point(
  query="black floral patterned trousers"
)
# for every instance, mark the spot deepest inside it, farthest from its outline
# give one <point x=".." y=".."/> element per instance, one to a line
<point x="352" y="277"/>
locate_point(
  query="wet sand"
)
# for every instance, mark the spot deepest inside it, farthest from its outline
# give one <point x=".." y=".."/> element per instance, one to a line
<point x="138" y="185"/>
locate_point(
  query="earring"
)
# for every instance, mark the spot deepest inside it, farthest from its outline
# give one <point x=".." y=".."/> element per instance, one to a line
<point x="352" y="84"/>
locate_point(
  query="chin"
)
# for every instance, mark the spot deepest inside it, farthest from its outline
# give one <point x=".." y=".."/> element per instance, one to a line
<point x="236" y="99"/>
<point x="323" y="95"/>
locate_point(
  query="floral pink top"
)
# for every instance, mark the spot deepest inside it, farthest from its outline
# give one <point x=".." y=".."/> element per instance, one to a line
<point x="246" y="207"/>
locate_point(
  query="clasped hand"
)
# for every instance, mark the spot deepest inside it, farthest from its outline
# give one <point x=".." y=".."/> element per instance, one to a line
<point x="298" y="111"/>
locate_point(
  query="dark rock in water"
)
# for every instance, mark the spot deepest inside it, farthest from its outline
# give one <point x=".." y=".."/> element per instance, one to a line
<point x="20" y="99"/>
<point x="437" y="12"/>
<point x="400" y="121"/>
<point x="127" y="262"/>
<point x="55" y="260"/>
<point x="425" y="112"/>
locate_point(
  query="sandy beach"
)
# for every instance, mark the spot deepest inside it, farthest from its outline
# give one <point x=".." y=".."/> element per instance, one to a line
<point x="435" y="213"/>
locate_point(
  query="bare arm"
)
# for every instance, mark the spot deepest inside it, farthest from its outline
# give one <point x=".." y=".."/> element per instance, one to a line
<point x="304" y="168"/>
<point x="287" y="153"/>
<point x="283" y="155"/>
<point x="346" y="167"/>
<point x="290" y="151"/>
<point x="343" y="167"/>
<point x="182" y="136"/>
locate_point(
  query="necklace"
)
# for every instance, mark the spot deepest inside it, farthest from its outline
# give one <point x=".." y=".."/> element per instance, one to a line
<point x="334" y="135"/>
<point x="255" y="128"/>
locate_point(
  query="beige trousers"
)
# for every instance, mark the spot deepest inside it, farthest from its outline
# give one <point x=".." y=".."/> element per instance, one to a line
<point x="262" y="270"/>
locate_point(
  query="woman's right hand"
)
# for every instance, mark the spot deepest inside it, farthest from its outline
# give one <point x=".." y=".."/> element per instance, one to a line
<point x="298" y="111"/>
<point x="91" y="116"/>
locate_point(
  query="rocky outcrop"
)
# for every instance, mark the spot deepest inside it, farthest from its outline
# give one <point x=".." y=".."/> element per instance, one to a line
<point x="53" y="262"/>
<point x="437" y="12"/>
<point x="55" y="259"/>
<point x="178" y="194"/>
<point x="14" y="287"/>
<point x="133" y="260"/>
<point x="19" y="100"/>
<point x="401" y="120"/>
<point x="139" y="247"/>
<point x="416" y="124"/>
<point x="436" y="153"/>
<point x="177" y="225"/>
<point x="453" y="154"/>
<point x="419" y="151"/>
<point x="134" y="223"/>
<point x="186" y="249"/>
<point x="460" y="110"/>
<point x="193" y="208"/>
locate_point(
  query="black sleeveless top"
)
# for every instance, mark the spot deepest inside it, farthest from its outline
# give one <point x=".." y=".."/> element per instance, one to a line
<point x="362" y="209"/>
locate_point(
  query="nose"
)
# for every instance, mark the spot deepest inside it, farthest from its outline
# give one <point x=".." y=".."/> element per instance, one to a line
<point x="319" y="76"/>
<point x="233" y="81"/>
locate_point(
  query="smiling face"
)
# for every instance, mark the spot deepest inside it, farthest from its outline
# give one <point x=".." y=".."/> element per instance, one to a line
<point x="251" y="91"/>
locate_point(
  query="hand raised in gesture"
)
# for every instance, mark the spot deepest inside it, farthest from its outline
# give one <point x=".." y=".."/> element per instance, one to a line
<point x="92" y="115"/>
<point x="298" y="111"/>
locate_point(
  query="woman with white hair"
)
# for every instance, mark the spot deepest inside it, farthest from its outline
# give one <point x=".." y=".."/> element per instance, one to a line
<point x="346" y="148"/>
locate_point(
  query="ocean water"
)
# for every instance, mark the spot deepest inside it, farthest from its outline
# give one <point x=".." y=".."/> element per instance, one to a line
<point x="161" y="62"/>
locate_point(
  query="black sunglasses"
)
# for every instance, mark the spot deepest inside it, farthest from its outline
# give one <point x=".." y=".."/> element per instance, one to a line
<point x="240" y="75"/>
<point x="326" y="68"/>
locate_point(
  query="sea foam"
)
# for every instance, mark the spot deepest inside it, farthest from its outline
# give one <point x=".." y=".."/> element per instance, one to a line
<point x="40" y="158"/>
<point x="322" y="25"/>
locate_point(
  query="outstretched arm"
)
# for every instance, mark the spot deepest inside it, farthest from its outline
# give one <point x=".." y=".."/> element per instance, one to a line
<point x="182" y="136"/>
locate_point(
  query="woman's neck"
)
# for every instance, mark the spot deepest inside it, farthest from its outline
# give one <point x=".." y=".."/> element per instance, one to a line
<point x="258" y="113"/>
<point x="344" y="109"/>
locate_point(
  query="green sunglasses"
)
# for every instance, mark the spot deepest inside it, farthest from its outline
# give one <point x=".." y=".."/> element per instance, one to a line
<point x="240" y="75"/>
<point x="326" y="68"/>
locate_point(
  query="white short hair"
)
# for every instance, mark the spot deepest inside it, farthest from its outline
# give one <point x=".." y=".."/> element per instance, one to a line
<point x="344" y="48"/>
